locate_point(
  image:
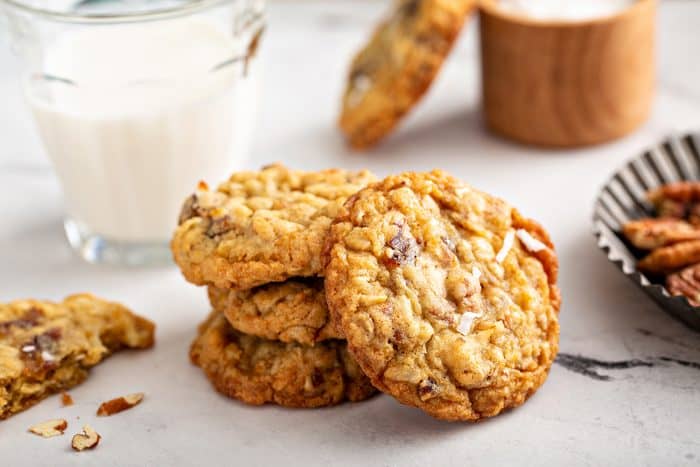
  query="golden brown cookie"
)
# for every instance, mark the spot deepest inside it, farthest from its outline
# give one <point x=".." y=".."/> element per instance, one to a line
<point x="48" y="347"/>
<point x="446" y="295"/>
<point x="260" y="227"/>
<point x="393" y="71"/>
<point x="257" y="371"/>
<point x="290" y="311"/>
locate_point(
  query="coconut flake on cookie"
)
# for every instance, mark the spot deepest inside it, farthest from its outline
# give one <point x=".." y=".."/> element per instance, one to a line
<point x="531" y="243"/>
<point x="507" y="245"/>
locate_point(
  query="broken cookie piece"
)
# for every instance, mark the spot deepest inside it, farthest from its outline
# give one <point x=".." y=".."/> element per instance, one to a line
<point x="48" y="347"/>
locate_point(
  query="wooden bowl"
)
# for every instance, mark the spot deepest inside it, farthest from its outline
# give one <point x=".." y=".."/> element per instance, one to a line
<point x="561" y="83"/>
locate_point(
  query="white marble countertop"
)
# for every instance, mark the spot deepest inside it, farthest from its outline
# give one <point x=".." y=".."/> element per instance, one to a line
<point x="639" y="416"/>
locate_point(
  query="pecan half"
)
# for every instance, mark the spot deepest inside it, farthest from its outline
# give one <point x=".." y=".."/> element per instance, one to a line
<point x="671" y="208"/>
<point x="687" y="283"/>
<point x="680" y="200"/>
<point x="684" y="192"/>
<point x="649" y="233"/>
<point x="670" y="258"/>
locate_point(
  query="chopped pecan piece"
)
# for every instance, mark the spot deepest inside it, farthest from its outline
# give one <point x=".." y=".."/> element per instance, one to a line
<point x="220" y="225"/>
<point x="403" y="248"/>
<point x="670" y="258"/>
<point x="88" y="439"/>
<point x="32" y="317"/>
<point x="189" y="209"/>
<point x="687" y="283"/>
<point x="119" y="404"/>
<point x="49" y="428"/>
<point x="428" y="389"/>
<point x="66" y="399"/>
<point x="649" y="233"/>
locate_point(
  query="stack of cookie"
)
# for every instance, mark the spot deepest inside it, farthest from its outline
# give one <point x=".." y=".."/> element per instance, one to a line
<point x="447" y="296"/>
<point x="256" y="242"/>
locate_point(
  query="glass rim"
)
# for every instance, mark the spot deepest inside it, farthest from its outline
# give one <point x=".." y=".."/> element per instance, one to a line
<point x="115" y="18"/>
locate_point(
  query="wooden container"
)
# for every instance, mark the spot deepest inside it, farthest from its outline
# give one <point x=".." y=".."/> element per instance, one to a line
<point x="560" y="83"/>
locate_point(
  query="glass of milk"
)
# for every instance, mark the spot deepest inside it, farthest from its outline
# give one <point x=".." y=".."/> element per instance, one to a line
<point x="135" y="102"/>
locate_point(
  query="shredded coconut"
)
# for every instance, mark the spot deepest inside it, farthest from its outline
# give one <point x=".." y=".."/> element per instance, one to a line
<point x="507" y="245"/>
<point x="476" y="273"/>
<point x="531" y="243"/>
<point x="47" y="357"/>
<point x="466" y="321"/>
<point x="28" y="348"/>
<point x="360" y="86"/>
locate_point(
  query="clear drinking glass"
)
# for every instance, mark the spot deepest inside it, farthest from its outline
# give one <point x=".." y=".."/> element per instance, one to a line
<point x="135" y="102"/>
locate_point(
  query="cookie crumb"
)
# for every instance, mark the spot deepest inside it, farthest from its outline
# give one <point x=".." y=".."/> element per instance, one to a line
<point x="49" y="428"/>
<point x="507" y="245"/>
<point x="119" y="404"/>
<point x="87" y="439"/>
<point x="531" y="243"/>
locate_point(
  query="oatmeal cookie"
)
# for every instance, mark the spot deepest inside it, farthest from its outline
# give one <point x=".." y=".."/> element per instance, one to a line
<point x="48" y="347"/>
<point x="257" y="371"/>
<point x="446" y="295"/>
<point x="260" y="227"/>
<point x="291" y="311"/>
<point x="391" y="73"/>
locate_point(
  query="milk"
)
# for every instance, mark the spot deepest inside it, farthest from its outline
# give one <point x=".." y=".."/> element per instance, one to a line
<point x="139" y="113"/>
<point x="570" y="10"/>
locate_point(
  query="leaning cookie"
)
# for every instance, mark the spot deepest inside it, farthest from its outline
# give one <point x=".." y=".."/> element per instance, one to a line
<point x="446" y="295"/>
<point x="398" y="65"/>
<point x="290" y="311"/>
<point x="258" y="371"/>
<point x="47" y="347"/>
<point x="260" y="227"/>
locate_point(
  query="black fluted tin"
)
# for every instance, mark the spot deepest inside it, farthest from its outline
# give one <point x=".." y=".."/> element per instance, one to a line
<point x="622" y="199"/>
